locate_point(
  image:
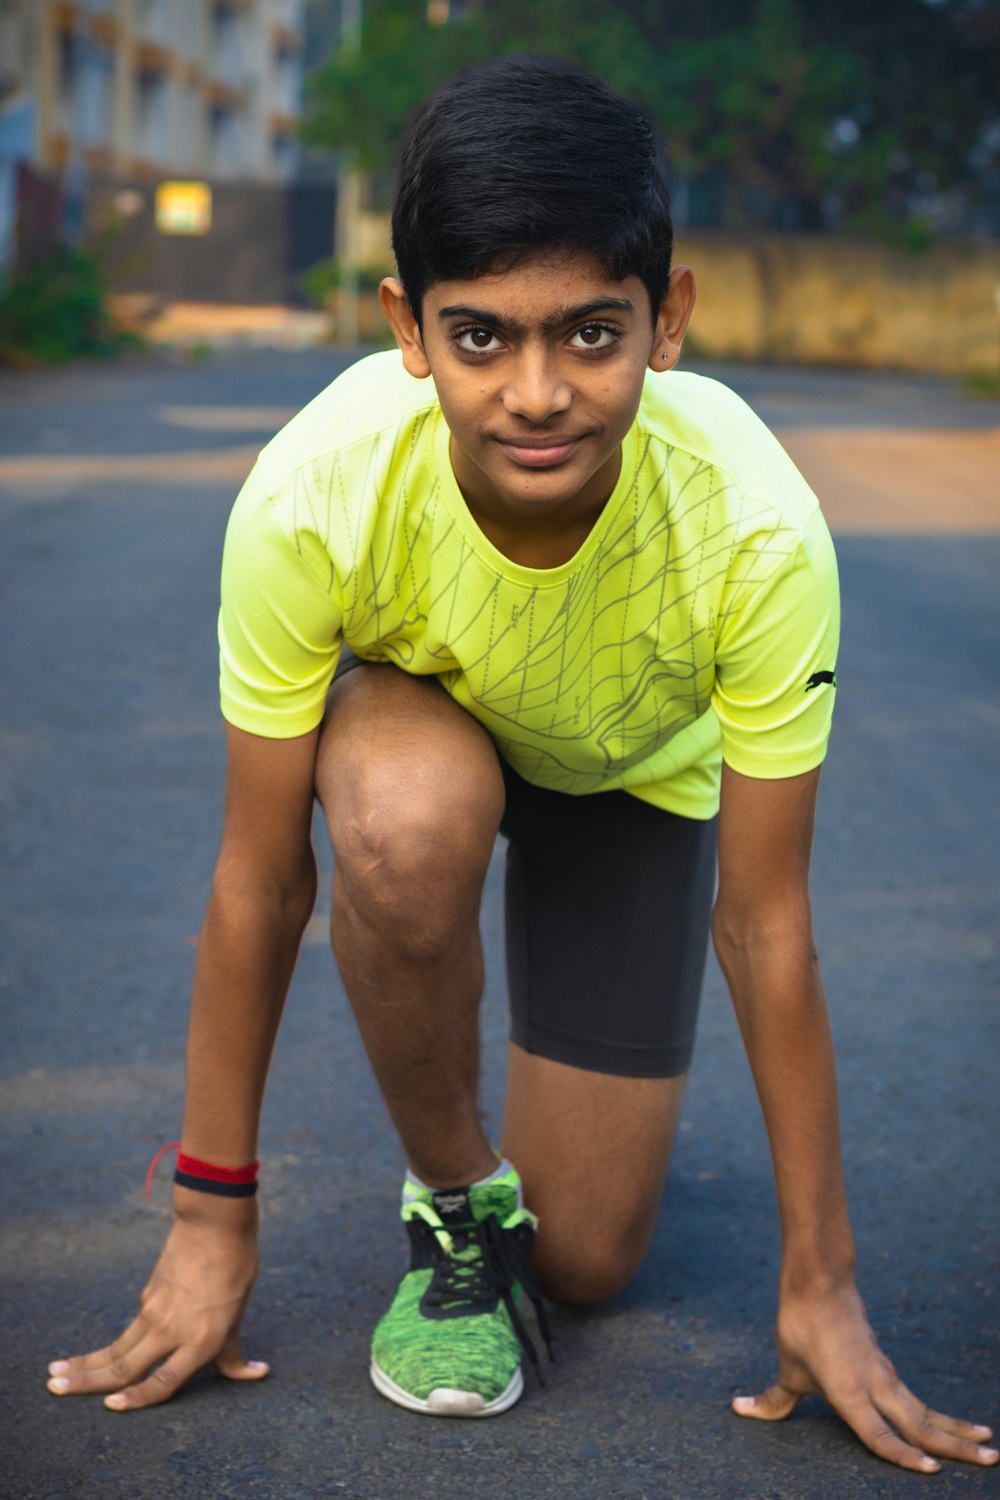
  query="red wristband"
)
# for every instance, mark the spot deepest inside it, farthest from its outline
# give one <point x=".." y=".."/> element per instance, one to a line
<point x="192" y="1167"/>
<point x="205" y="1177"/>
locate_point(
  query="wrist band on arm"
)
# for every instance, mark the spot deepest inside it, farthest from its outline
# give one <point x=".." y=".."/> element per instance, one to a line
<point x="204" y="1177"/>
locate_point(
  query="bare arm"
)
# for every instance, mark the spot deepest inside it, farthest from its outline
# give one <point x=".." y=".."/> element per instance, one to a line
<point x="762" y="928"/>
<point x="262" y="894"/>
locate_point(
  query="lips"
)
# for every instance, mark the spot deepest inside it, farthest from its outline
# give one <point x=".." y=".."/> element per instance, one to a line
<point x="541" y="452"/>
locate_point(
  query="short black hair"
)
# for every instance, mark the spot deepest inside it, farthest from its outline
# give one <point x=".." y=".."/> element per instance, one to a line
<point x="526" y="154"/>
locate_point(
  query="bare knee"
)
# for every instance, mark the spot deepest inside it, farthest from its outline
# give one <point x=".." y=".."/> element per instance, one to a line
<point x="412" y="855"/>
<point x="413" y="796"/>
<point x="585" y="1274"/>
<point x="395" y="854"/>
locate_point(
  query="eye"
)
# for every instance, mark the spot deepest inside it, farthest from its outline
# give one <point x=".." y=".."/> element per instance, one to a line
<point x="476" y="340"/>
<point x="596" y="336"/>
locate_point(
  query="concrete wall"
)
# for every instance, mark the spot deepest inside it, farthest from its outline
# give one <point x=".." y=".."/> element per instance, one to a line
<point x="820" y="299"/>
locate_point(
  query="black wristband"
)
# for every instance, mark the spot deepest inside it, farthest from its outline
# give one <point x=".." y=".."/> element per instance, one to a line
<point x="208" y="1185"/>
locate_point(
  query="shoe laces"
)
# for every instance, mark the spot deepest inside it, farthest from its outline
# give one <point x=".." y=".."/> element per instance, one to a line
<point x="482" y="1261"/>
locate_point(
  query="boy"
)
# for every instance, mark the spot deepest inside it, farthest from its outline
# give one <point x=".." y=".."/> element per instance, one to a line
<point x="580" y="601"/>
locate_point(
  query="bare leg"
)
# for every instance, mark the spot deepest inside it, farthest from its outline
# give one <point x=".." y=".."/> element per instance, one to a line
<point x="413" y="797"/>
<point x="593" y="1152"/>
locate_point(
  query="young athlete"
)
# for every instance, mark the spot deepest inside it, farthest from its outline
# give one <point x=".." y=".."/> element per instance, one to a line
<point x="581" y="599"/>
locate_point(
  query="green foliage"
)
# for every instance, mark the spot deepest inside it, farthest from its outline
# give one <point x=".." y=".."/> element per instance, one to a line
<point x="784" y="99"/>
<point x="326" y="277"/>
<point x="55" y="311"/>
<point x="982" y="385"/>
<point x="363" y="100"/>
<point x="756" y="102"/>
<point x="913" y="235"/>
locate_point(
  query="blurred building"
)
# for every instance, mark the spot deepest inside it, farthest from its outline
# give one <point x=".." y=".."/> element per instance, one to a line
<point x="152" y="88"/>
<point x="105" y="104"/>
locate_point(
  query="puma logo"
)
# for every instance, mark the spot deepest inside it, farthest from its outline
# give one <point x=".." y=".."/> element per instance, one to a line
<point x="818" y="678"/>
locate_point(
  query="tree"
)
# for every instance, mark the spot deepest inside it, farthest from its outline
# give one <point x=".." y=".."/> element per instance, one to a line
<point x="849" y="111"/>
<point x="364" y="99"/>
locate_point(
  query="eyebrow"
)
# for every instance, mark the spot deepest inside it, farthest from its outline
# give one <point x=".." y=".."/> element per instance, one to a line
<point x="548" y="325"/>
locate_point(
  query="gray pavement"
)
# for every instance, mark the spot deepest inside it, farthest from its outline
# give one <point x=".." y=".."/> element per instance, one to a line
<point x="111" y="768"/>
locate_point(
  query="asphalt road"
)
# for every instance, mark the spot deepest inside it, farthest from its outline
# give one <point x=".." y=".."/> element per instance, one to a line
<point x="110" y="794"/>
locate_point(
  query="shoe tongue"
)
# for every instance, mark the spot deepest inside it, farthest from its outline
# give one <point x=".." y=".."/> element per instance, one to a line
<point x="457" y="1207"/>
<point x="453" y="1207"/>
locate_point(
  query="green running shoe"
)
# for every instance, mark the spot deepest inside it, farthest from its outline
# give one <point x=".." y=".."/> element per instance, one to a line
<point x="452" y="1341"/>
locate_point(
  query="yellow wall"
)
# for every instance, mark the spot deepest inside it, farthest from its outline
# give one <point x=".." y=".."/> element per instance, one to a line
<point x="826" y="300"/>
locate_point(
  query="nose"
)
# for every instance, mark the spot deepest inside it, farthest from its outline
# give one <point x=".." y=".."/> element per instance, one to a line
<point x="534" y="389"/>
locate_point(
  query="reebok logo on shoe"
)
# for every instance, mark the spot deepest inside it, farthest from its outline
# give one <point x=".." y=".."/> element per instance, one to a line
<point x="453" y="1207"/>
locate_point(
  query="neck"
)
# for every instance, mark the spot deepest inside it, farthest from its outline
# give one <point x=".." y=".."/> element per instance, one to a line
<point x="542" y="536"/>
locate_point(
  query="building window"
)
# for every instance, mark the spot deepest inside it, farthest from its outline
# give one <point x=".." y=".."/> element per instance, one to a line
<point x="224" y="141"/>
<point x="84" y="75"/>
<point x="287" y="81"/>
<point x="283" y="155"/>
<point x="68" y="71"/>
<point x="187" y="37"/>
<point x="189" y="121"/>
<point x="227" y="46"/>
<point x="95" y="95"/>
<point x="151" y="116"/>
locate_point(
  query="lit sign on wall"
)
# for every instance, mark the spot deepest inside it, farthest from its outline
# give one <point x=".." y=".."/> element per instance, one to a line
<point x="183" y="208"/>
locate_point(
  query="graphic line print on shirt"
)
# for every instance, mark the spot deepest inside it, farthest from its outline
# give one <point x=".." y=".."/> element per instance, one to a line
<point x="627" y="722"/>
<point x="688" y="620"/>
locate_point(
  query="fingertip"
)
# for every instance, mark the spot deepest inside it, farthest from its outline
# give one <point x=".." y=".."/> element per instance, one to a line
<point x="247" y="1369"/>
<point x="772" y="1405"/>
<point x="61" y="1367"/>
<point x="116" y="1402"/>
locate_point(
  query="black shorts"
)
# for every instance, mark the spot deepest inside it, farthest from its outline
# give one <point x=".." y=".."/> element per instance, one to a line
<point x="608" y="902"/>
<point x="607" y="908"/>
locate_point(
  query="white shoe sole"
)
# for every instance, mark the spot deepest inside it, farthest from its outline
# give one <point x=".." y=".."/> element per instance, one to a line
<point x="445" y="1402"/>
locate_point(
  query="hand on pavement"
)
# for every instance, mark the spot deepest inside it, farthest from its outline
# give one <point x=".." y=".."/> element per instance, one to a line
<point x="825" y="1345"/>
<point x="189" y="1315"/>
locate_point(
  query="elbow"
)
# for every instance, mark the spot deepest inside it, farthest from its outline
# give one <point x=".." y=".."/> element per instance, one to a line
<point x="738" y="932"/>
<point x="286" y="892"/>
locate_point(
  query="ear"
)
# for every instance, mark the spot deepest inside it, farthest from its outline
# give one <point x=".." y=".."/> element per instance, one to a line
<point x="404" y="327"/>
<point x="673" y="319"/>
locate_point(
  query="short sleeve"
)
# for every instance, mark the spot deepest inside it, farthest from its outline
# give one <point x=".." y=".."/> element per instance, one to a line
<point x="279" y="626"/>
<point x="776" y="664"/>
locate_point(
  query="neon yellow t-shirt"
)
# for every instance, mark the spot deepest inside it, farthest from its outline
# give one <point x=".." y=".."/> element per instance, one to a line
<point x="699" y="619"/>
